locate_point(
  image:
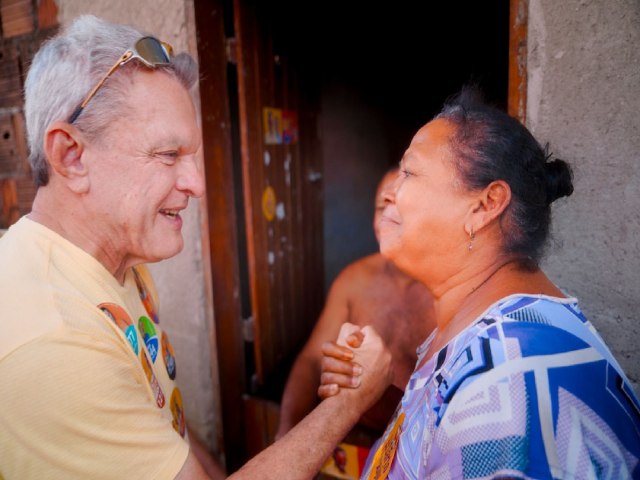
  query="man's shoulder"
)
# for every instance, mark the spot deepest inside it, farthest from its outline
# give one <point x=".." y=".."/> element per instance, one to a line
<point x="364" y="268"/>
<point x="25" y="290"/>
<point x="35" y="296"/>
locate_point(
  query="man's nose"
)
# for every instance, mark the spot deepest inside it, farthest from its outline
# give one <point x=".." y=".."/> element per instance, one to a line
<point x="191" y="178"/>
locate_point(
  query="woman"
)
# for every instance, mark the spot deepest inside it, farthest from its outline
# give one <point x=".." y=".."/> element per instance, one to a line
<point x="514" y="382"/>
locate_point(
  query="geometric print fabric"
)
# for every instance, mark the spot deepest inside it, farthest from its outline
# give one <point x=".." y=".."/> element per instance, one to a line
<point x="529" y="390"/>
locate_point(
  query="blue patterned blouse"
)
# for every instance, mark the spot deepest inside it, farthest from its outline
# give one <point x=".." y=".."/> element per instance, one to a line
<point x="529" y="390"/>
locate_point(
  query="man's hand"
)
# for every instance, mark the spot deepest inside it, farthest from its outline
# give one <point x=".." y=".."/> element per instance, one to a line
<point x="312" y="440"/>
<point x="359" y="361"/>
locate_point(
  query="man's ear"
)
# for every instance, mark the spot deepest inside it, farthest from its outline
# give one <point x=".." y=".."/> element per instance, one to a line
<point x="491" y="202"/>
<point x="64" y="148"/>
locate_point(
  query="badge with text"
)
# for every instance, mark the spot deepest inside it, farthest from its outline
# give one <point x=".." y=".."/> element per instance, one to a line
<point x="153" y="381"/>
<point x="175" y="404"/>
<point x="149" y="336"/>
<point x="145" y="296"/>
<point x="382" y="460"/>
<point x="168" y="356"/>
<point x="121" y="318"/>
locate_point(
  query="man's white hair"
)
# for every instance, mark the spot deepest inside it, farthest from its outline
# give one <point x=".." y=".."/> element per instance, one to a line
<point x="66" y="68"/>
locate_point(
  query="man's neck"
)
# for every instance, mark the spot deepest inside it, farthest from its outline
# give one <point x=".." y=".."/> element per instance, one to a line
<point x="46" y="211"/>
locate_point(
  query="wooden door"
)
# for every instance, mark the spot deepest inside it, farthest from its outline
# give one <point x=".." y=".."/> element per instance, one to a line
<point x="282" y="187"/>
<point x="264" y="204"/>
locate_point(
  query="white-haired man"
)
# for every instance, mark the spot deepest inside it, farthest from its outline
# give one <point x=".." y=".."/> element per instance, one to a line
<point x="87" y="372"/>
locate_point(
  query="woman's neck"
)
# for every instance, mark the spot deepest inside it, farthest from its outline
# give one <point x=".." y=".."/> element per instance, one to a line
<point x="459" y="307"/>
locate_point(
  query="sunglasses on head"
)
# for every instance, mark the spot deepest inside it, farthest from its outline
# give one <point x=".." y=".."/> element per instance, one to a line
<point x="148" y="50"/>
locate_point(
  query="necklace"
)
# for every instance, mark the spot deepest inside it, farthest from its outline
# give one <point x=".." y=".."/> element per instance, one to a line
<point x="473" y="289"/>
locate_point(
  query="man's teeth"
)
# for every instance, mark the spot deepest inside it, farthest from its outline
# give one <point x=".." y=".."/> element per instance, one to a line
<point x="169" y="213"/>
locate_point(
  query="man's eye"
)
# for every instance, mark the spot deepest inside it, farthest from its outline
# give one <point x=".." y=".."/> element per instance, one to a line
<point x="168" y="156"/>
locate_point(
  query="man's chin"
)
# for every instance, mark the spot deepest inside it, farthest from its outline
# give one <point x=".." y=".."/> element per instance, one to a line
<point x="166" y="253"/>
<point x="385" y="247"/>
<point x="389" y="250"/>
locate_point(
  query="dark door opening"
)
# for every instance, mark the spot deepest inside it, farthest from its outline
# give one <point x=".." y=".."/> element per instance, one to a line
<point x="379" y="74"/>
<point x="384" y="73"/>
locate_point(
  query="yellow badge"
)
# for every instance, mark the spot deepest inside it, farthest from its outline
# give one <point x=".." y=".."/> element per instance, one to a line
<point x="269" y="203"/>
<point x="383" y="458"/>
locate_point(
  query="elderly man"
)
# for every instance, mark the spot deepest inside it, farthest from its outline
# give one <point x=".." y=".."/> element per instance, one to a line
<point x="87" y="373"/>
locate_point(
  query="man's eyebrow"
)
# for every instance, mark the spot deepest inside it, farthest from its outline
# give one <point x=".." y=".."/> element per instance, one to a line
<point x="168" y="143"/>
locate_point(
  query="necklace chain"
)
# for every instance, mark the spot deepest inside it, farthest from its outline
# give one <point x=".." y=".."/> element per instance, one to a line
<point x="473" y="289"/>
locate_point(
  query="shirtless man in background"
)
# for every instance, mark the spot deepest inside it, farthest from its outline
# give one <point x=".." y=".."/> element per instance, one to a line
<point x="369" y="291"/>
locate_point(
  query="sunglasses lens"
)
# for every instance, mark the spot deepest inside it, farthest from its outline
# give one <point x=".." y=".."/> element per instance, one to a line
<point x="152" y="51"/>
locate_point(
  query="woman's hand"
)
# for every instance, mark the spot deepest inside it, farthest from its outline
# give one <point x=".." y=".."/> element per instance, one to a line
<point x="339" y="365"/>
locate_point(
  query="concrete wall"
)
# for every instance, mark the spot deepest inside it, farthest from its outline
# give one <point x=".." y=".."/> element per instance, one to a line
<point x="584" y="98"/>
<point x="182" y="281"/>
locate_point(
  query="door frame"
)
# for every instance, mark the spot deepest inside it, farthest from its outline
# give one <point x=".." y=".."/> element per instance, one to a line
<point x="227" y="353"/>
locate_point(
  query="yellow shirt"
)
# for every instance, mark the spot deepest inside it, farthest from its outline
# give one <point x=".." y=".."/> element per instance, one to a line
<point x="86" y="373"/>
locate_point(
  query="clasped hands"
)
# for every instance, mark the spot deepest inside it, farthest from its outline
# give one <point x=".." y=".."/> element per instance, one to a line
<point x="357" y="363"/>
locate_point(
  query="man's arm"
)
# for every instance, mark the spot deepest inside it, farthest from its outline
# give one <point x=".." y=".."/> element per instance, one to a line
<point x="204" y="457"/>
<point x="301" y="453"/>
<point x="300" y="396"/>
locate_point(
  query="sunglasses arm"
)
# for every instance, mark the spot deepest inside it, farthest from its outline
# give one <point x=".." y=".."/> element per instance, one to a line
<point x="122" y="60"/>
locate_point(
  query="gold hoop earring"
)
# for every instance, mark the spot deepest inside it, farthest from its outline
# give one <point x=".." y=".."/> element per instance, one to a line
<point x="472" y="237"/>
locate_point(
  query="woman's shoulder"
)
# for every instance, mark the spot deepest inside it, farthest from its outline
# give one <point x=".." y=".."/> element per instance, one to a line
<point x="525" y="333"/>
<point x="510" y="332"/>
<point x="538" y="325"/>
<point x="535" y="308"/>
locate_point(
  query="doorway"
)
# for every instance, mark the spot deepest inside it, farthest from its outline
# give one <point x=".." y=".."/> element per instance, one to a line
<point x="369" y="78"/>
<point x="384" y="73"/>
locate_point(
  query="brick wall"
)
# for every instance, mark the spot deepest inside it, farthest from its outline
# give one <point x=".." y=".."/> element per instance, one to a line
<point x="24" y="24"/>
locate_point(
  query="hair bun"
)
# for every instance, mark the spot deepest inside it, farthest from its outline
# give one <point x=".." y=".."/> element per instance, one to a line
<point x="559" y="179"/>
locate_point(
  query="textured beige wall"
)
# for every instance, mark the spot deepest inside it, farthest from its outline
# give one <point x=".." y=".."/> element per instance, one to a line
<point x="182" y="281"/>
<point x="584" y="98"/>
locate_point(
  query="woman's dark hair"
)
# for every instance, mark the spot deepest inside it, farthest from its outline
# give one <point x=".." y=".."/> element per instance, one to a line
<point x="490" y="145"/>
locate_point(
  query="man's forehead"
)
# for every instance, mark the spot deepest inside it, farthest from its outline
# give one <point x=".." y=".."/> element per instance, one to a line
<point x="159" y="111"/>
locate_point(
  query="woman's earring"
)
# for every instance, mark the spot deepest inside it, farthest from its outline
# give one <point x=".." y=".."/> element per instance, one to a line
<point x="472" y="237"/>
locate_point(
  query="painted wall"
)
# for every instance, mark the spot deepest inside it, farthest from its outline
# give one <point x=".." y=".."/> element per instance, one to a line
<point x="583" y="98"/>
<point x="182" y="281"/>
